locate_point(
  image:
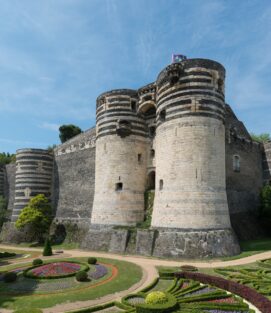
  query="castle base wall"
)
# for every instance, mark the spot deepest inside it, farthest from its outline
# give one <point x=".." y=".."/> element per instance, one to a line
<point x="69" y="230"/>
<point x="10" y="234"/>
<point x="165" y="243"/>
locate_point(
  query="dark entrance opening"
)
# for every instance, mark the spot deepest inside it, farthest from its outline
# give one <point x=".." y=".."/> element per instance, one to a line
<point x="151" y="181"/>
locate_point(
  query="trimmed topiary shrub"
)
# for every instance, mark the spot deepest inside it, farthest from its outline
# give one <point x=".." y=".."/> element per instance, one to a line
<point x="156" y="297"/>
<point x="81" y="276"/>
<point x="37" y="262"/>
<point x="47" y="251"/>
<point x="189" y="268"/>
<point x="170" y="305"/>
<point x="167" y="273"/>
<point x="10" y="277"/>
<point x="92" y="260"/>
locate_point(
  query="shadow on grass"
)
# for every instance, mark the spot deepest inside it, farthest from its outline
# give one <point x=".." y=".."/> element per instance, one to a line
<point x="258" y="245"/>
<point x="9" y="292"/>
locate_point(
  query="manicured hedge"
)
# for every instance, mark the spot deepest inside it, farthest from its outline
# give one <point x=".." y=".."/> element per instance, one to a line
<point x="81" y="276"/>
<point x="261" y="302"/>
<point x="7" y="255"/>
<point x="166" y="273"/>
<point x="92" y="260"/>
<point x="94" y="309"/>
<point x="37" y="262"/>
<point x="27" y="273"/>
<point x="189" y="268"/>
<point x="170" y="306"/>
<point x="102" y="307"/>
<point x="151" y="285"/>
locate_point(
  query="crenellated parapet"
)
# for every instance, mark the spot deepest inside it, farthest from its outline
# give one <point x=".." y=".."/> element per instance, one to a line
<point x="83" y="141"/>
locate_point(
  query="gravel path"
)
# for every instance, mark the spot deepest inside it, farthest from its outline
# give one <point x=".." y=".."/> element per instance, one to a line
<point x="149" y="272"/>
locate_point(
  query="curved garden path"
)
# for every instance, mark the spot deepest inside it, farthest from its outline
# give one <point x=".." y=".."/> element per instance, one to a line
<point x="149" y="272"/>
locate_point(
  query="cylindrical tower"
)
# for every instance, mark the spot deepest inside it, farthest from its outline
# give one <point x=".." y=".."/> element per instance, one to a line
<point x="2" y="180"/>
<point x="34" y="169"/>
<point x="120" y="167"/>
<point x="190" y="147"/>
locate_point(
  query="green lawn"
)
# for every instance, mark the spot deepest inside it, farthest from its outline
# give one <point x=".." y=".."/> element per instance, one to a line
<point x="128" y="275"/>
<point x="251" y="247"/>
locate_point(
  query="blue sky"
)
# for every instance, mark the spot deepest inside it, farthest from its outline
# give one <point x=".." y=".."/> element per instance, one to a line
<point x="57" y="56"/>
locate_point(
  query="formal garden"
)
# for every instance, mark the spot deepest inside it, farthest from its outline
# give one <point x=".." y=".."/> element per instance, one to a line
<point x="49" y="281"/>
<point x="45" y="283"/>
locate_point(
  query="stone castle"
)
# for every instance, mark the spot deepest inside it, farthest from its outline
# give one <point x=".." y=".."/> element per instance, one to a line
<point x="175" y="136"/>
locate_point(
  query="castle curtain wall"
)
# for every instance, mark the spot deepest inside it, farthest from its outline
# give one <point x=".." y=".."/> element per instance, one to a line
<point x="74" y="175"/>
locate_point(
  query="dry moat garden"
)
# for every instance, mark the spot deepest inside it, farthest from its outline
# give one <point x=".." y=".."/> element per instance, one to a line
<point x="32" y="283"/>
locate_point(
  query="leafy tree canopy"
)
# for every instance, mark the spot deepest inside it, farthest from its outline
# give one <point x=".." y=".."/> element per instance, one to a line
<point x="3" y="210"/>
<point x="6" y="158"/>
<point x="52" y="147"/>
<point x="36" y="215"/>
<point x="67" y="132"/>
<point x="265" y="198"/>
<point x="264" y="137"/>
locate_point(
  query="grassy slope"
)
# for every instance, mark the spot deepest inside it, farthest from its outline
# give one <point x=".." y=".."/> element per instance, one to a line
<point x="128" y="275"/>
<point x="252" y="247"/>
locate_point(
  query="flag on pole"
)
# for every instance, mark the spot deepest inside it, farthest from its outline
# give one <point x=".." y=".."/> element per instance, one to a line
<point x="178" y="58"/>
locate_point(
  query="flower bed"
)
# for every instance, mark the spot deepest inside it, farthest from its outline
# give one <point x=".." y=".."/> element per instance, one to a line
<point x="261" y="302"/>
<point x="100" y="271"/>
<point x="55" y="270"/>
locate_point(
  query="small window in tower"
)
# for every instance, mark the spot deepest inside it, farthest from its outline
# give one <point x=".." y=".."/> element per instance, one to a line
<point x="152" y="153"/>
<point x="119" y="186"/>
<point x="162" y="115"/>
<point x="139" y="158"/>
<point x="161" y="184"/>
<point x="236" y="163"/>
<point x="152" y="131"/>
<point x="133" y="105"/>
<point x="173" y="80"/>
<point x="147" y="98"/>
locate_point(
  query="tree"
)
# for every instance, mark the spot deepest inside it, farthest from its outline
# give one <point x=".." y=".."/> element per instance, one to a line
<point x="265" y="198"/>
<point x="68" y="131"/>
<point x="47" y="251"/>
<point x="51" y="148"/>
<point x="3" y="210"/>
<point x="6" y="158"/>
<point x="264" y="137"/>
<point x="265" y="208"/>
<point x="36" y="216"/>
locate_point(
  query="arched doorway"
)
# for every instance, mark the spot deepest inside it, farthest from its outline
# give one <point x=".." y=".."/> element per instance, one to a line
<point x="151" y="181"/>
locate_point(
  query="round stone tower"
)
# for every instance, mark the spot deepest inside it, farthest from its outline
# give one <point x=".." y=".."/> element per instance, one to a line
<point x="34" y="170"/>
<point x="190" y="148"/>
<point x="2" y="180"/>
<point x="120" y="167"/>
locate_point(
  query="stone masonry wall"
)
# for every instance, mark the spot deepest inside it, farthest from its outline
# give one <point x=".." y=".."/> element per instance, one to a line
<point x="243" y="186"/>
<point x="267" y="163"/>
<point x="74" y="175"/>
<point x="190" y="147"/>
<point x="9" y="189"/>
